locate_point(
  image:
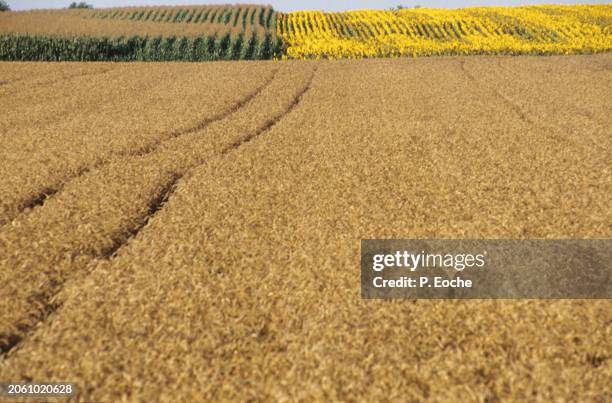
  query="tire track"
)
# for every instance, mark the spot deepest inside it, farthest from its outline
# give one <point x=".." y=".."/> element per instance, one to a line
<point x="48" y="192"/>
<point x="508" y="102"/>
<point x="154" y="206"/>
<point x="576" y="108"/>
<point x="552" y="129"/>
<point x="47" y="301"/>
<point x="40" y="199"/>
<point x="204" y="123"/>
<point x="49" y="83"/>
<point x="159" y="202"/>
<point x="274" y="121"/>
<point x="164" y="196"/>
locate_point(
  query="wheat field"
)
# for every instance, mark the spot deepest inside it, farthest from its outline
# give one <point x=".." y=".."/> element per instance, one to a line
<point x="180" y="232"/>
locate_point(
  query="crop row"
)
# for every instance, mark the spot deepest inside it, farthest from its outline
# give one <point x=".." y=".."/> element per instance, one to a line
<point x="423" y="32"/>
<point x="234" y="16"/>
<point x="232" y="32"/>
<point x="14" y="47"/>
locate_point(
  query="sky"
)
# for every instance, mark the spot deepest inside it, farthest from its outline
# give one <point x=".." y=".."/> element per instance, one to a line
<point x="292" y="5"/>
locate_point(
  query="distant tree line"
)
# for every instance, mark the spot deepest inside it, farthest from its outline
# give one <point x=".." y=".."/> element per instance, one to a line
<point x="81" y="4"/>
<point x="401" y="7"/>
<point x="5" y="7"/>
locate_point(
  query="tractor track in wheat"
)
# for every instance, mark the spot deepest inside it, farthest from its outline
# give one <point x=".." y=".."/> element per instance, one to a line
<point x="231" y="252"/>
<point x="44" y="303"/>
<point x="48" y="192"/>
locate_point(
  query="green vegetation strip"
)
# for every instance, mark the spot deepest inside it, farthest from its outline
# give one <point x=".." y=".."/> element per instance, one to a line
<point x="16" y="47"/>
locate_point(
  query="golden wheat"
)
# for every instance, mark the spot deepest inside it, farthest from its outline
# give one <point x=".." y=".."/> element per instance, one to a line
<point x="209" y="249"/>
